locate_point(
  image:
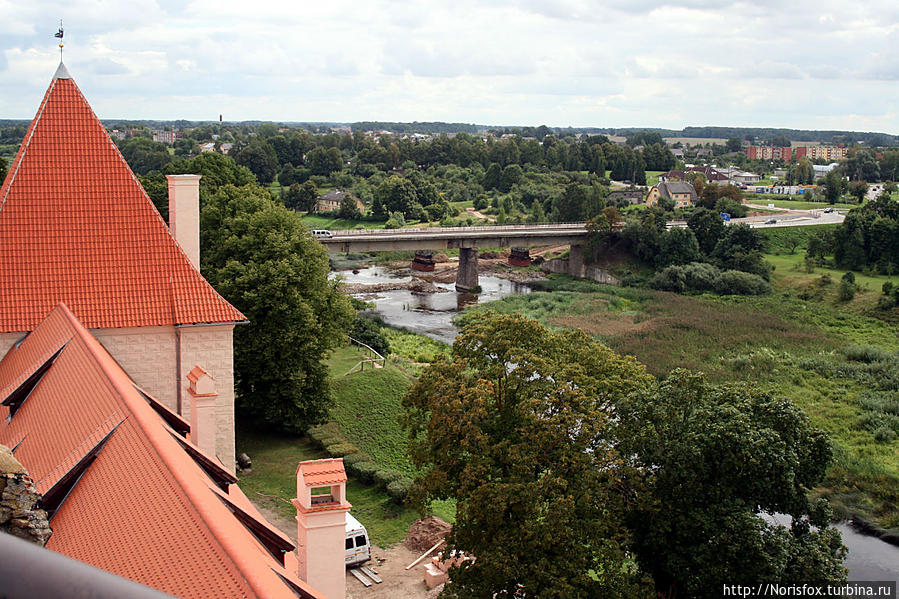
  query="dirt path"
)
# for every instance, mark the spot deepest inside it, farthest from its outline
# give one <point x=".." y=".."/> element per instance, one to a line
<point x="399" y="583"/>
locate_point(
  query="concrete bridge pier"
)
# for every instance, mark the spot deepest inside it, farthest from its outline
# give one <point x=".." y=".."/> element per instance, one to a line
<point x="576" y="261"/>
<point x="467" y="276"/>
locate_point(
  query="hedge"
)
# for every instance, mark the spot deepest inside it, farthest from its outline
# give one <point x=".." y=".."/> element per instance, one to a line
<point x="338" y="450"/>
<point x="385" y="477"/>
<point x="399" y="489"/>
<point x="366" y="471"/>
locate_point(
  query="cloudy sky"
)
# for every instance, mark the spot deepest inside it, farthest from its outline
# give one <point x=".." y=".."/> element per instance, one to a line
<point x="815" y="64"/>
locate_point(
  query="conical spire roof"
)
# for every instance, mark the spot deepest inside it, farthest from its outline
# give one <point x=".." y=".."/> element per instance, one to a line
<point x="77" y="227"/>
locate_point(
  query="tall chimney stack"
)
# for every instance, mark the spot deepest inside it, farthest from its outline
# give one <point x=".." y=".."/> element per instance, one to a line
<point x="184" y="214"/>
<point x="202" y="395"/>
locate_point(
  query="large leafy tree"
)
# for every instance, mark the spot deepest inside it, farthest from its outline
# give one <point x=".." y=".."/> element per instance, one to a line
<point x="261" y="258"/>
<point x="515" y="426"/>
<point x="260" y="157"/>
<point x="712" y="459"/>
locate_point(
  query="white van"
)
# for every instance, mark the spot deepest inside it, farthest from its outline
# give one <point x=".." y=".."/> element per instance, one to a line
<point x="321" y="234"/>
<point x="358" y="549"/>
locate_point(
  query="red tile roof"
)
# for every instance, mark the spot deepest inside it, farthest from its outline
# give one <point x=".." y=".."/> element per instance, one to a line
<point x="322" y="472"/>
<point x="144" y="509"/>
<point x="77" y="227"/>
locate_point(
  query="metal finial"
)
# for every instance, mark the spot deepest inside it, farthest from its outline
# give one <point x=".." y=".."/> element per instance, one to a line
<point x="59" y="35"/>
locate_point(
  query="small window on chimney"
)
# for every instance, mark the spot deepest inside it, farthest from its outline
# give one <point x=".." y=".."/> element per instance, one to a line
<point x="321" y="495"/>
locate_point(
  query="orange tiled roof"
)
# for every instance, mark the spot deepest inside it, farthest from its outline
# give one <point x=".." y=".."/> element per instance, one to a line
<point x="77" y="227"/>
<point x="143" y="509"/>
<point x="322" y="472"/>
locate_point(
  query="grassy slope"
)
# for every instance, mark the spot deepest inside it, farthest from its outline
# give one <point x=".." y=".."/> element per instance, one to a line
<point x="275" y="459"/>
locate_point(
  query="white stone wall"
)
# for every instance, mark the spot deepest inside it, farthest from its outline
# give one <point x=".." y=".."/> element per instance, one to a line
<point x="212" y="348"/>
<point x="7" y="340"/>
<point x="148" y="356"/>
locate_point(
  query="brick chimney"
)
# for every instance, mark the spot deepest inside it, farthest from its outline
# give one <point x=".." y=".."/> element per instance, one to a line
<point x="321" y="525"/>
<point x="202" y="395"/>
<point x="184" y="214"/>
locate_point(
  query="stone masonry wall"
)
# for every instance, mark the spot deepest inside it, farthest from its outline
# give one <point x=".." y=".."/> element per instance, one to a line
<point x="212" y="348"/>
<point x="19" y="514"/>
<point x="147" y="354"/>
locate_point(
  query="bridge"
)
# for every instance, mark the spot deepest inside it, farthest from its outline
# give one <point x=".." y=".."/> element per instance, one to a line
<point x="467" y="240"/>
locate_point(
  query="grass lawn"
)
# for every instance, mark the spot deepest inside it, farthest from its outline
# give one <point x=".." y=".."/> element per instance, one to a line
<point x="652" y="177"/>
<point x="798" y="204"/>
<point x="315" y="221"/>
<point x="275" y="458"/>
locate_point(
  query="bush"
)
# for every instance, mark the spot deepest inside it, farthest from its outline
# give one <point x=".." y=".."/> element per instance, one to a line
<point x="885" y="435"/>
<point x="887" y="287"/>
<point x="366" y="471"/>
<point x="672" y="278"/>
<point x="385" y="477"/>
<point x="355" y="458"/>
<point x="735" y="282"/>
<point x="399" y="489"/>
<point x="317" y="434"/>
<point x="332" y="440"/>
<point x="866" y="353"/>
<point x="846" y="290"/>
<point x="338" y="450"/>
<point x="701" y="276"/>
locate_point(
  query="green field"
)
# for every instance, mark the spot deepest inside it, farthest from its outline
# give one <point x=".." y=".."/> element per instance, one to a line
<point x="316" y="221"/>
<point x="652" y="177"/>
<point x="764" y="199"/>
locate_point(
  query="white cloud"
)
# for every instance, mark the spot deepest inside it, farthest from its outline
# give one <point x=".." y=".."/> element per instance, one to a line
<point x="581" y="62"/>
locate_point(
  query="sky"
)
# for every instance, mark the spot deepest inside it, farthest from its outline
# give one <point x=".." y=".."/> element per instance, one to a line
<point x="805" y="64"/>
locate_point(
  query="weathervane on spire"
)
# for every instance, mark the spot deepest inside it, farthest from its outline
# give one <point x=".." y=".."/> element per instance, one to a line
<point x="59" y="35"/>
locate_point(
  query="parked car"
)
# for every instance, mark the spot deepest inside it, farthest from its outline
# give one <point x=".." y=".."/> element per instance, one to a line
<point x="828" y="210"/>
<point x="321" y="234"/>
<point x="770" y="221"/>
<point x="358" y="548"/>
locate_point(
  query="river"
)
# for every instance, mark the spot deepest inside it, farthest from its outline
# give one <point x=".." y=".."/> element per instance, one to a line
<point x="428" y="314"/>
<point x="431" y="315"/>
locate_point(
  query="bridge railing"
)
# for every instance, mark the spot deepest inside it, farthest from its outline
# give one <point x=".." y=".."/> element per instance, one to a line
<point x="472" y="229"/>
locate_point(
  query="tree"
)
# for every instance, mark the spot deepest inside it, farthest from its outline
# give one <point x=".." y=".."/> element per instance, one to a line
<point x="858" y="189"/>
<point x="324" y="161"/>
<point x="678" y="246"/>
<point x="515" y="427"/>
<point x="3" y="168"/>
<point x="260" y="157"/>
<point x="262" y="259"/>
<point x="348" y="208"/>
<point x="834" y="186"/>
<point x="512" y="175"/>
<point x="301" y="197"/>
<point x="144" y="155"/>
<point x="712" y="458"/>
<point x="741" y="249"/>
<point x="708" y="227"/>
<point x="397" y="194"/>
<point x="734" y="144"/>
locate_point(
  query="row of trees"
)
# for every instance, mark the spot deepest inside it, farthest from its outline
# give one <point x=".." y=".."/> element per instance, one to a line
<point x="576" y="474"/>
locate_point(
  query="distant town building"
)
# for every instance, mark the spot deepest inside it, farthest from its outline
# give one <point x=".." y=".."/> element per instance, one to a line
<point x="633" y="196"/>
<point x="680" y="192"/>
<point x="797" y="153"/>
<point x="330" y="202"/>
<point x="166" y="137"/>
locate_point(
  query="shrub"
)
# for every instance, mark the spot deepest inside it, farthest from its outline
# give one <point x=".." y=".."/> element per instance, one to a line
<point x="846" y="290"/>
<point x="338" y="450"/>
<point x="355" y="458"/>
<point x="672" y="278"/>
<point x="385" y="477"/>
<point x="735" y="282"/>
<point x="885" y="435"/>
<point x="366" y="471"/>
<point x="399" y="489"/>
<point x="887" y="287"/>
<point x="701" y="276"/>
<point x="331" y="440"/>
<point x="317" y="434"/>
<point x="866" y="353"/>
